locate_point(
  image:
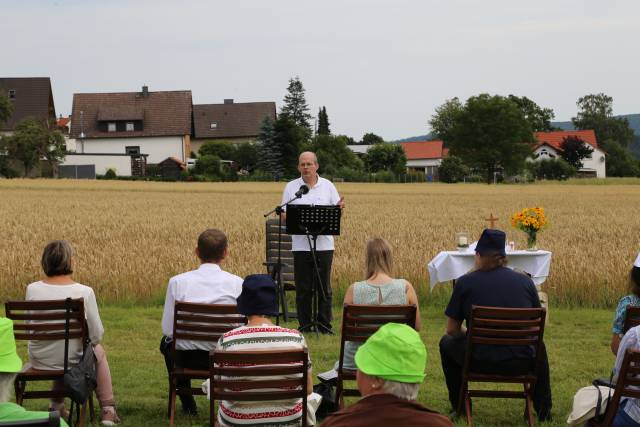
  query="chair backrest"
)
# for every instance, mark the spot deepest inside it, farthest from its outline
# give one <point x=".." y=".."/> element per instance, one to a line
<point x="45" y="320"/>
<point x="52" y="421"/>
<point x="498" y="326"/>
<point x="360" y="321"/>
<point x="631" y="318"/>
<point x="204" y="322"/>
<point x="251" y="376"/>
<point x="271" y="254"/>
<point x="627" y="385"/>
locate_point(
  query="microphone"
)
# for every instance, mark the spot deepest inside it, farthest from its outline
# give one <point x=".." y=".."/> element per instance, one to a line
<point x="303" y="190"/>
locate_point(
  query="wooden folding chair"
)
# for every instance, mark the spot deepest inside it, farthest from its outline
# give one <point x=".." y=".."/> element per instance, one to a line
<point x="627" y="385"/>
<point x="282" y="274"/>
<point x="359" y="322"/>
<point x="52" y="421"/>
<point x="502" y="327"/>
<point x="197" y="322"/>
<point x="248" y="376"/>
<point x="631" y="318"/>
<point x="45" y="321"/>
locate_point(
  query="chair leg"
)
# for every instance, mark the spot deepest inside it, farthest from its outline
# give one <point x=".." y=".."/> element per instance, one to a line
<point x="529" y="410"/>
<point x="172" y="403"/>
<point x="92" y="413"/>
<point x="467" y="406"/>
<point x="83" y="414"/>
<point x="339" y="398"/>
<point x="19" y="387"/>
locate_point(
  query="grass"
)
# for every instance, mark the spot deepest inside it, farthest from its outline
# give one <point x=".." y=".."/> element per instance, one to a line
<point x="577" y="342"/>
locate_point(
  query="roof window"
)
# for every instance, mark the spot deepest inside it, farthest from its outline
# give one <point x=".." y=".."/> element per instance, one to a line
<point x="111" y="127"/>
<point x="12" y="94"/>
<point x="214" y="125"/>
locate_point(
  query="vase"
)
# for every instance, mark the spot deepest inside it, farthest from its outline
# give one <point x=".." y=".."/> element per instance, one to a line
<point x="532" y="238"/>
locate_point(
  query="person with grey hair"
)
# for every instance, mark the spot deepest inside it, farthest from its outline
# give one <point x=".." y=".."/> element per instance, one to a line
<point x="10" y="365"/>
<point x="57" y="264"/>
<point x="391" y="366"/>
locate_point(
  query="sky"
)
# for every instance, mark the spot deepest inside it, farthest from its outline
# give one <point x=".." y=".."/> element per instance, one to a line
<point x="377" y="66"/>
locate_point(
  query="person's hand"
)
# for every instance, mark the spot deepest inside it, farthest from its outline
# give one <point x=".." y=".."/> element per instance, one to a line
<point x="341" y="202"/>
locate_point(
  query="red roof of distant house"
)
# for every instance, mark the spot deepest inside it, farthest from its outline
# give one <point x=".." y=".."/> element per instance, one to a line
<point x="62" y="122"/>
<point x="554" y="139"/>
<point x="424" y="149"/>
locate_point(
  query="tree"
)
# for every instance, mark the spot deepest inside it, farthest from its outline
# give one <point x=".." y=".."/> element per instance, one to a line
<point x="620" y="162"/>
<point x="539" y="118"/>
<point x="333" y="154"/>
<point x="556" y="169"/>
<point x="295" y="106"/>
<point x="225" y="150"/>
<point x="33" y="141"/>
<point x="574" y="150"/>
<point x="489" y="133"/>
<point x="323" y="122"/>
<point x="595" y="111"/>
<point x="269" y="159"/>
<point x="371" y="139"/>
<point x="288" y="138"/>
<point x="209" y="165"/>
<point x="452" y="169"/>
<point x="246" y="156"/>
<point x="6" y="107"/>
<point x="386" y="157"/>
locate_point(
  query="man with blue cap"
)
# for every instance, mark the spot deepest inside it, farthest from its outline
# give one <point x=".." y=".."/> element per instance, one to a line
<point x="491" y="284"/>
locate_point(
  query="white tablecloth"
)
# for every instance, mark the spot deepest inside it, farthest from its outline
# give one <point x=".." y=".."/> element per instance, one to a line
<point x="450" y="265"/>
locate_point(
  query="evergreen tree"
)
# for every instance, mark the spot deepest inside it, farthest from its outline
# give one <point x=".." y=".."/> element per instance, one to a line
<point x="323" y="122"/>
<point x="295" y="106"/>
<point x="269" y="157"/>
<point x="288" y="139"/>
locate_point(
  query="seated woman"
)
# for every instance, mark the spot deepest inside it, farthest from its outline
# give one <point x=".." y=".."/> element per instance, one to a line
<point x="391" y="367"/>
<point x="10" y="365"/>
<point x="57" y="263"/>
<point x="628" y="414"/>
<point x="621" y="311"/>
<point x="380" y="288"/>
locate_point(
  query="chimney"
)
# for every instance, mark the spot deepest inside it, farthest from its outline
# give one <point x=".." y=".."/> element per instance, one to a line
<point x="228" y="101"/>
<point x="145" y="91"/>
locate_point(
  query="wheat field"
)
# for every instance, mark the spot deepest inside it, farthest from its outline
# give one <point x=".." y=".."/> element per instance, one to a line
<point x="130" y="237"/>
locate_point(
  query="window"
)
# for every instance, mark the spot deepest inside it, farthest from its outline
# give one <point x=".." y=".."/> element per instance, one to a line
<point x="132" y="150"/>
<point x="214" y="126"/>
<point x="111" y="127"/>
<point x="12" y="94"/>
<point x="130" y="127"/>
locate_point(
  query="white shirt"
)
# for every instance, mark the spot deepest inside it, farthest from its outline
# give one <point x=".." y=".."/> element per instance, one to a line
<point x="50" y="354"/>
<point x="323" y="193"/>
<point x="630" y="340"/>
<point x="209" y="284"/>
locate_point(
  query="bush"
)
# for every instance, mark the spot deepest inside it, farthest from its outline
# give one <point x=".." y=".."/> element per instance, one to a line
<point x="110" y="174"/>
<point x="208" y="165"/>
<point x="352" y="175"/>
<point x="152" y="170"/>
<point x="556" y="169"/>
<point x="452" y="169"/>
<point x="384" y="176"/>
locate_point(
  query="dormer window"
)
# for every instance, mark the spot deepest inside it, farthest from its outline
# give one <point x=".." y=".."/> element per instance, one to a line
<point x="111" y="127"/>
<point x="12" y="94"/>
<point x="214" y="125"/>
<point x="130" y="127"/>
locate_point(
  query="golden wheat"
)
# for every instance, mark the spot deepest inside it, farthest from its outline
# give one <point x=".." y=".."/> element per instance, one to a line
<point x="130" y="237"/>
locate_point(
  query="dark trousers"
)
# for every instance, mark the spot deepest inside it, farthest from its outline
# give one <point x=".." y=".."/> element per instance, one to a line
<point x="304" y="276"/>
<point x="192" y="359"/>
<point x="452" y="353"/>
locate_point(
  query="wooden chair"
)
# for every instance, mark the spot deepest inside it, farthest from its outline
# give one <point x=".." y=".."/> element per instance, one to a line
<point x="283" y="276"/>
<point x="45" y="321"/>
<point x="502" y="327"/>
<point x="359" y="322"/>
<point x="52" y="421"/>
<point x="248" y="376"/>
<point x="631" y="318"/>
<point x="626" y="386"/>
<point x="197" y="322"/>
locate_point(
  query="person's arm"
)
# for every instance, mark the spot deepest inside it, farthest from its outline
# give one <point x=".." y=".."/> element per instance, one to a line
<point x="310" y="381"/>
<point x="167" y="313"/>
<point x="629" y="340"/>
<point x="618" y="324"/>
<point x="348" y="296"/>
<point x="412" y="299"/>
<point x="615" y="343"/>
<point x="96" y="330"/>
<point x="455" y="328"/>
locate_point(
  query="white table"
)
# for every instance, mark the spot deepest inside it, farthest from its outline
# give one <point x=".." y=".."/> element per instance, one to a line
<point x="449" y="265"/>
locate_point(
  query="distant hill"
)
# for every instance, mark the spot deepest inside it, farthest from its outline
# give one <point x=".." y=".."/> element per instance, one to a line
<point x="427" y="137"/>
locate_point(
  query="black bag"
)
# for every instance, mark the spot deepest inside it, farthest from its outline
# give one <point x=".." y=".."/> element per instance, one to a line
<point x="328" y="404"/>
<point x="600" y="414"/>
<point x="79" y="380"/>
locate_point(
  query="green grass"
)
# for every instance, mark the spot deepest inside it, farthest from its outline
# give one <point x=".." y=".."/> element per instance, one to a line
<point x="577" y="342"/>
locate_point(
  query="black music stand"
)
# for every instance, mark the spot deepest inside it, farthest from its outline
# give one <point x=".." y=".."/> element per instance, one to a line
<point x="313" y="221"/>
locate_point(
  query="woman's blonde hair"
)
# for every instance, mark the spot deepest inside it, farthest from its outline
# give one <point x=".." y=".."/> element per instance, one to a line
<point x="379" y="258"/>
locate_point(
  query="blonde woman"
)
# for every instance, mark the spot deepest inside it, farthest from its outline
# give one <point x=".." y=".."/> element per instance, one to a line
<point x="380" y="288"/>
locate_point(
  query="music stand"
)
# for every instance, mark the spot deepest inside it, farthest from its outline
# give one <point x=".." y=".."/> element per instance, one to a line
<point x="313" y="221"/>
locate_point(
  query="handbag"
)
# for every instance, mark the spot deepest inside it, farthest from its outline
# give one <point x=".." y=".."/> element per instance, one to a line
<point x="79" y="380"/>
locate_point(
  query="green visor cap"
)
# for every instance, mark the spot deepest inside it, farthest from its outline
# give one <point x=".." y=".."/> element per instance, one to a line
<point x="395" y="352"/>
<point x="9" y="359"/>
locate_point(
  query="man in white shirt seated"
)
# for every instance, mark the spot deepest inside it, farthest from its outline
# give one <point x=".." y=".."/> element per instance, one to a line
<point x="209" y="284"/>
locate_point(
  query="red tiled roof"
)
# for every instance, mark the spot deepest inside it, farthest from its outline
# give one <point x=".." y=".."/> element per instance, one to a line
<point x="423" y="149"/>
<point x="554" y="139"/>
<point x="62" y="122"/>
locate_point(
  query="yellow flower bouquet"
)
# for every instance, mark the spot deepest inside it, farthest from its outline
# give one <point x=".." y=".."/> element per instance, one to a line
<point x="531" y="221"/>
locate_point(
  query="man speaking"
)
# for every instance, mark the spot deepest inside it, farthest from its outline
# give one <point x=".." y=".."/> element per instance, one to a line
<point x="320" y="192"/>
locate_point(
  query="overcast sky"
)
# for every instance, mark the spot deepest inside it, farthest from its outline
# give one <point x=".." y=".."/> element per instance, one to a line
<point x="378" y="66"/>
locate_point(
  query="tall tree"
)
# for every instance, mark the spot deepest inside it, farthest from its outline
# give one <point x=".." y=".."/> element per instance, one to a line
<point x="333" y="154"/>
<point x="269" y="159"/>
<point x="488" y="133"/>
<point x="574" y="150"/>
<point x="323" y="122"/>
<point x="6" y="107"/>
<point x="370" y="139"/>
<point x="539" y="118"/>
<point x="295" y="105"/>
<point x="620" y="162"/>
<point x="288" y="138"/>
<point x="32" y="141"/>
<point x="595" y="111"/>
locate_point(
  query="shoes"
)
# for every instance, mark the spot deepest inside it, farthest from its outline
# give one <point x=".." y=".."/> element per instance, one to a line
<point x="109" y="417"/>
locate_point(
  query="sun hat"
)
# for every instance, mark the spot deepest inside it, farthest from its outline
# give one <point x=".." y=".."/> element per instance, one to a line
<point x="395" y="352"/>
<point x="258" y="296"/>
<point x="9" y="359"/>
<point x="491" y="242"/>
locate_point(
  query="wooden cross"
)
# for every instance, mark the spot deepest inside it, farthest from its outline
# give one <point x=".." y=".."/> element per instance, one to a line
<point x="492" y="221"/>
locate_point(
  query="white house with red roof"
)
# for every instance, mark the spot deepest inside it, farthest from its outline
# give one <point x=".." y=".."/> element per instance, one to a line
<point x="425" y="156"/>
<point x="549" y="146"/>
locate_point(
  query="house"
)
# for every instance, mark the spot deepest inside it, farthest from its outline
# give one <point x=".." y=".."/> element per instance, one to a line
<point x="549" y="146"/>
<point x="31" y="97"/>
<point x="156" y="124"/>
<point x="230" y="121"/>
<point x="425" y="156"/>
